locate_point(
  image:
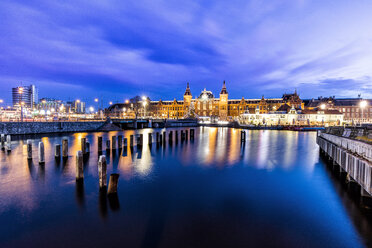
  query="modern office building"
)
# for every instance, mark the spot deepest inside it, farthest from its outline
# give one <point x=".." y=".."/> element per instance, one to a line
<point x="25" y="95"/>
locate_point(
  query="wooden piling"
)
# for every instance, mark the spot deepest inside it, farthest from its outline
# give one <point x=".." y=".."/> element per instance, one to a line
<point x="87" y="148"/>
<point x="2" y="141"/>
<point x="157" y="137"/>
<point x="83" y="142"/>
<point x="100" y="144"/>
<point x="192" y="133"/>
<point x="131" y="140"/>
<point x="150" y="139"/>
<point x="65" y="148"/>
<point x="108" y="145"/>
<point x="113" y="139"/>
<point x="29" y="149"/>
<point x="41" y="153"/>
<point x="242" y="136"/>
<point x="140" y="140"/>
<point x="57" y="151"/>
<point x="120" y="142"/>
<point x="113" y="184"/>
<point x="8" y="143"/>
<point x="79" y="165"/>
<point x="164" y="137"/>
<point x="182" y="135"/>
<point x="102" y="171"/>
<point x="125" y="142"/>
<point x="160" y="138"/>
<point x="176" y="135"/>
<point x="170" y="138"/>
<point x="186" y="134"/>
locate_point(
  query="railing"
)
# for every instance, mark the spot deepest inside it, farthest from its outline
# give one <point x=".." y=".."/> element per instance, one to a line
<point x="359" y="148"/>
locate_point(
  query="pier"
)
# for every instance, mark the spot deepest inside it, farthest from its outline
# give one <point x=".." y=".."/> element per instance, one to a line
<point x="350" y="151"/>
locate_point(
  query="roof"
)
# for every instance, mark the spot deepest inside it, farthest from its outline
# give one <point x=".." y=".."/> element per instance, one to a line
<point x="223" y="90"/>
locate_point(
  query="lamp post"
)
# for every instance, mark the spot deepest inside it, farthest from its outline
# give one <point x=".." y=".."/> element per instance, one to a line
<point x="144" y="102"/>
<point x="362" y="106"/>
<point x="20" y="91"/>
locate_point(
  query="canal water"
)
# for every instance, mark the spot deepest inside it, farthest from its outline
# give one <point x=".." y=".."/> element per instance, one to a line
<point x="273" y="191"/>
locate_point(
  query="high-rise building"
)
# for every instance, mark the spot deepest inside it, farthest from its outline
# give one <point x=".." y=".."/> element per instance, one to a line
<point x="25" y="95"/>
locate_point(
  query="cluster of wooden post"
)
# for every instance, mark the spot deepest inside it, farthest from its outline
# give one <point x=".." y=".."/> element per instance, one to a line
<point x="41" y="150"/>
<point x="102" y="175"/>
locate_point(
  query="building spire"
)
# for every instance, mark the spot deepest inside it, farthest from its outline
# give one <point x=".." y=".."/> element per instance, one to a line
<point x="223" y="90"/>
<point x="187" y="92"/>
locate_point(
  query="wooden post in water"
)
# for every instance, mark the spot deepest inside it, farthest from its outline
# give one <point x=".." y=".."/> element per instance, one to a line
<point x="125" y="142"/>
<point x="2" y="141"/>
<point x="242" y="136"/>
<point x="182" y="135"/>
<point x="108" y="145"/>
<point x="65" y="148"/>
<point x="8" y="143"/>
<point x="131" y="139"/>
<point x="113" y="184"/>
<point x="99" y="144"/>
<point x="113" y="138"/>
<point x="84" y="145"/>
<point x="192" y="133"/>
<point x="187" y="134"/>
<point x="41" y="153"/>
<point x="150" y="139"/>
<point x="164" y="137"/>
<point x="140" y="139"/>
<point x="120" y="142"/>
<point x="79" y="166"/>
<point x="87" y="148"/>
<point x="29" y="149"/>
<point x="176" y="135"/>
<point x="170" y="137"/>
<point x="57" y="151"/>
<point x="102" y="171"/>
<point x="157" y="137"/>
<point x="160" y="139"/>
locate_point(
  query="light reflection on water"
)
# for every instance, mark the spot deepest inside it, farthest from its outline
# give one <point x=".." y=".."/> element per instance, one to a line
<point x="202" y="181"/>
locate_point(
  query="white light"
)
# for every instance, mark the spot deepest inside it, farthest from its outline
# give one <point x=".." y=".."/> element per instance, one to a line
<point x="91" y="109"/>
<point x="204" y="97"/>
<point x="42" y="112"/>
<point x="48" y="112"/>
<point x="53" y="110"/>
<point x="323" y="106"/>
<point x="363" y="104"/>
<point x="223" y="122"/>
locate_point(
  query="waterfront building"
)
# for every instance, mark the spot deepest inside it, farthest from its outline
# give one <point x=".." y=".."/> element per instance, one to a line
<point x="355" y="110"/>
<point x="25" y="95"/>
<point x="206" y="104"/>
<point x="293" y="116"/>
<point x="49" y="105"/>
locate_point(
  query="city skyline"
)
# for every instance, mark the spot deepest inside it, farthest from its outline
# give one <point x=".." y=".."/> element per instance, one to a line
<point x="153" y="48"/>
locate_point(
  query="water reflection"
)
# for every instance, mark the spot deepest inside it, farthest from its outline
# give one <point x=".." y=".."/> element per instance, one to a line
<point x="208" y="178"/>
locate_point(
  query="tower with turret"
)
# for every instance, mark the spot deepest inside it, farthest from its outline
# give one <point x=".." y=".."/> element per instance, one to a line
<point x="223" y="103"/>
<point x="187" y="97"/>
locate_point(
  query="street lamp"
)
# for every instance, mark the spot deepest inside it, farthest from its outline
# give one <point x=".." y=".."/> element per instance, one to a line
<point x="323" y="106"/>
<point x="362" y="105"/>
<point x="144" y="106"/>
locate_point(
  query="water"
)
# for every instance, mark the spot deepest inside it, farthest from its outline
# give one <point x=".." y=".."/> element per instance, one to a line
<point x="211" y="192"/>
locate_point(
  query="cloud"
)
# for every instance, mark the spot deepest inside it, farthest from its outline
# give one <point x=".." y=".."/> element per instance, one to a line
<point x="124" y="48"/>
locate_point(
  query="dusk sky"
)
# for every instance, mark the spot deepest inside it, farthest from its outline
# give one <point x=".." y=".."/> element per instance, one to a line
<point x="117" y="49"/>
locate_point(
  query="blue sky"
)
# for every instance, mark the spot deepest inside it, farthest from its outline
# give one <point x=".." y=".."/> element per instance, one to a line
<point x="116" y="49"/>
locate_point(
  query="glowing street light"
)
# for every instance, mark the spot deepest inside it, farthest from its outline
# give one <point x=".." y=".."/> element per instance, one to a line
<point x="91" y="109"/>
<point x="127" y="101"/>
<point x="96" y="99"/>
<point x="78" y="101"/>
<point x="110" y="103"/>
<point x="362" y="105"/>
<point x="323" y="106"/>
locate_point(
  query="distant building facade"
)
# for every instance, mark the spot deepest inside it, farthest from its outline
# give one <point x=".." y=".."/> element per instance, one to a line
<point x="355" y="110"/>
<point x="25" y="95"/>
<point x="207" y="105"/>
